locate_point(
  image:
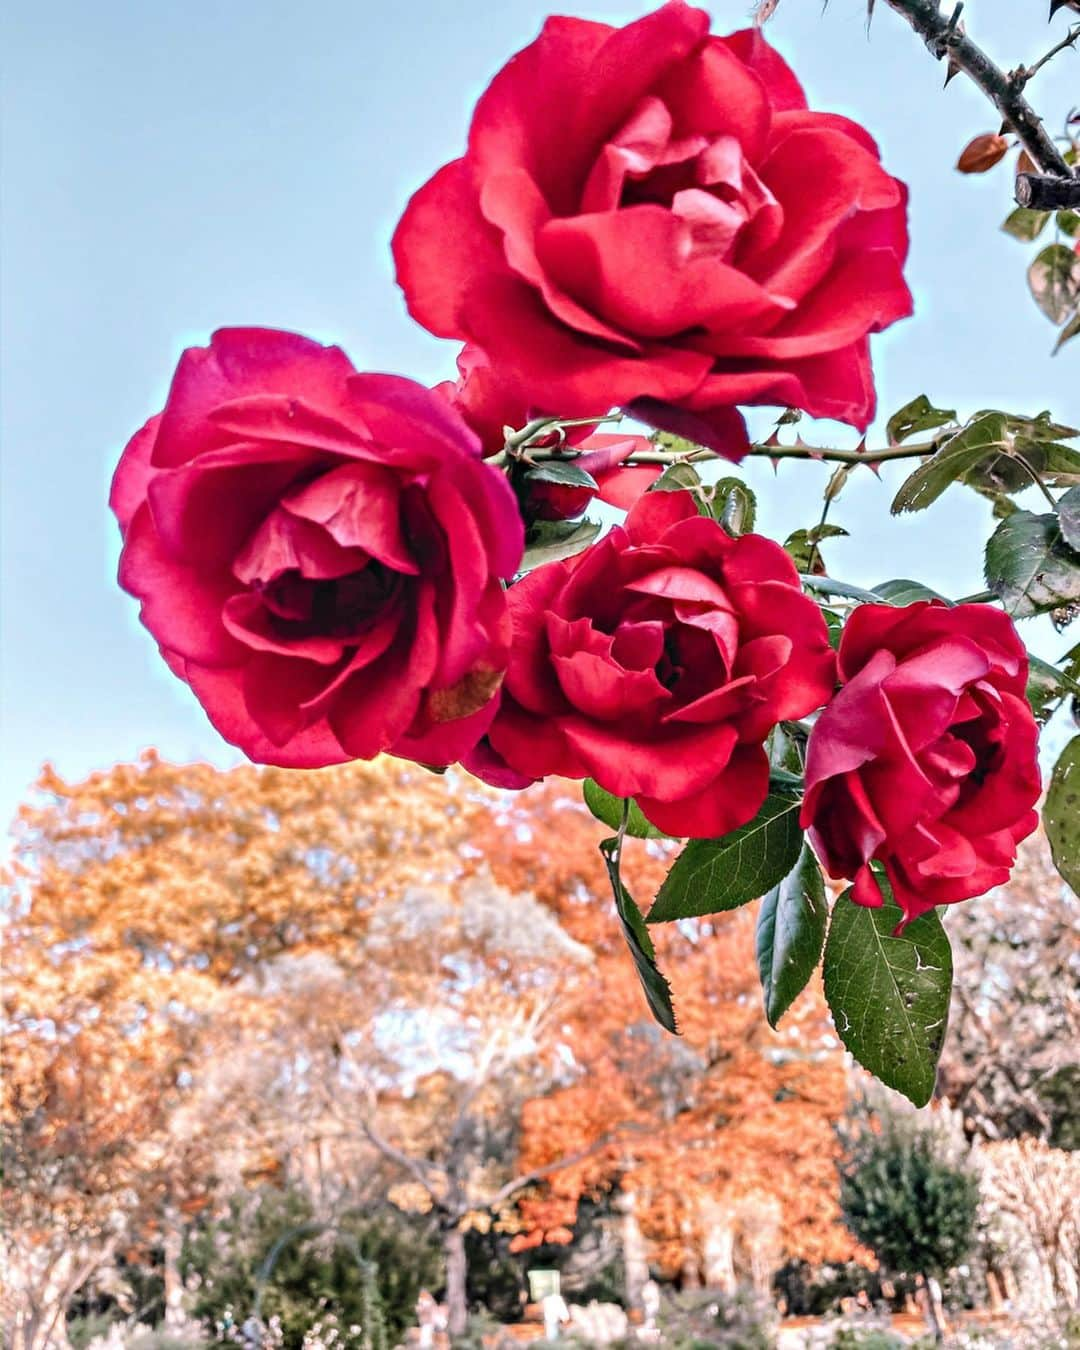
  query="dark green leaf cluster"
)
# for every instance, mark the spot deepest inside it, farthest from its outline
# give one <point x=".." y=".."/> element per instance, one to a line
<point x="901" y="1197"/>
<point x="888" y="992"/>
<point x="729" y="500"/>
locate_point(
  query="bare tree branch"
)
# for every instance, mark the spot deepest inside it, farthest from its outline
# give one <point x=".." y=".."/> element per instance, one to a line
<point x="420" y="1171"/>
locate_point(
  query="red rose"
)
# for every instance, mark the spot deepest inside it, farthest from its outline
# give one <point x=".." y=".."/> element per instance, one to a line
<point x="656" y="662"/>
<point x="318" y="553"/>
<point x="651" y="217"/>
<point x="926" y="757"/>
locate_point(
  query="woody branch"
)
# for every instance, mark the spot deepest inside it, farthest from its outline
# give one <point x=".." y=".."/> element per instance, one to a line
<point x="1056" y="185"/>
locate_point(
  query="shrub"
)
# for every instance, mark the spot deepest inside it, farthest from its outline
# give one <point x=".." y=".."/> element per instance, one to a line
<point x="363" y="1268"/>
<point x="911" y="1205"/>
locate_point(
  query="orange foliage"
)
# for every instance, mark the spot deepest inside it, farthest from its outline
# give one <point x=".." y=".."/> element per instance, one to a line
<point x="730" y="1119"/>
<point x="176" y="934"/>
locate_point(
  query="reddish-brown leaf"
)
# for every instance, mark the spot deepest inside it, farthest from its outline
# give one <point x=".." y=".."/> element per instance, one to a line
<point x="982" y="153"/>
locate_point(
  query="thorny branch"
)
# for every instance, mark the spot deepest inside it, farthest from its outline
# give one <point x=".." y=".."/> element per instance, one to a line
<point x="945" y="37"/>
<point x="1022" y="74"/>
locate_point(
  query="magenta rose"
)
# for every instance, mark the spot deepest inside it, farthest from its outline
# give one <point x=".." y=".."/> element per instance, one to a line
<point x="651" y="217"/>
<point x="656" y="662"/>
<point x="319" y="553"/>
<point x="925" y="760"/>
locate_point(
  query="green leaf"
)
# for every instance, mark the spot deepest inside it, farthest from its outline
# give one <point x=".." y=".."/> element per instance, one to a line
<point x="786" y="748"/>
<point x="1054" y="282"/>
<point x="829" y="586"/>
<point x="1041" y="427"/>
<point x="550" y="540"/>
<point x="678" y="445"/>
<point x="676" y="477"/>
<point x="1068" y="222"/>
<point x="791" y="934"/>
<point x="608" y="809"/>
<point x="981" y="438"/>
<point x="1005" y="474"/>
<point x="1067" y="333"/>
<point x="1030" y="567"/>
<point x="1061" y="814"/>
<point x="802" y="545"/>
<point x="918" y="415"/>
<point x="562" y="471"/>
<point x="734" y="505"/>
<point x="889" y="995"/>
<point x="901" y="592"/>
<point x="1047" y="686"/>
<point x="655" y="987"/>
<point x="1069" y="517"/>
<point x="712" y="875"/>
<point x="1025" y="224"/>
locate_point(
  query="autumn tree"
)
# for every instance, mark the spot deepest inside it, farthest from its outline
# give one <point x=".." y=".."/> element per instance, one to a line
<point x="374" y="973"/>
<point x="729" y="1131"/>
<point x="350" y="977"/>
<point x="141" y="905"/>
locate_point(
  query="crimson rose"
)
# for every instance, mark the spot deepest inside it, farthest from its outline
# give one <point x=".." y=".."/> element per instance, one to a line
<point x="318" y="553"/>
<point x="656" y="662"/>
<point x="925" y="759"/>
<point x="651" y="217"/>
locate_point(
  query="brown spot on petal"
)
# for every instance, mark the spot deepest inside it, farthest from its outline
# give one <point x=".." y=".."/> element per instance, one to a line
<point x="468" y="696"/>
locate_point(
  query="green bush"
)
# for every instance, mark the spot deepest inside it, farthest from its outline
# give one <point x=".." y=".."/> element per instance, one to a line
<point x="906" y="1200"/>
<point x="363" y="1268"/>
<point x="814" y="1291"/>
<point x="82" y="1330"/>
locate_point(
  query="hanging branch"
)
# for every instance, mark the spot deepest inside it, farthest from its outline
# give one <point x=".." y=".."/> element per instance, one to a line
<point x="945" y="37"/>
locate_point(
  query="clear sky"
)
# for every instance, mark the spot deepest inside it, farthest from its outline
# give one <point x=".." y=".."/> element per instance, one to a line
<point x="173" y="167"/>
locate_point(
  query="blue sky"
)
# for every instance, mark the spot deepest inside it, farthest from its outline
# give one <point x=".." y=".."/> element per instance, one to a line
<point x="173" y="167"/>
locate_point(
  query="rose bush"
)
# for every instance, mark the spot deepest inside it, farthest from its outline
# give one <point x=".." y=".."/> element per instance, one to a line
<point x="319" y="553"/>
<point x="652" y="217"/>
<point x="926" y="758"/>
<point x="657" y="662"/>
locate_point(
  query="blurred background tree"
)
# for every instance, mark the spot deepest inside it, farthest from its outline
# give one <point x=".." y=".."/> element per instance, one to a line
<point x="909" y="1199"/>
<point x="401" y="1020"/>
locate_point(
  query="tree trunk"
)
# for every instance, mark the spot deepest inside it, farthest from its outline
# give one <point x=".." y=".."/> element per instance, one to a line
<point x="173" y="1243"/>
<point x="41" y="1329"/>
<point x="635" y="1253"/>
<point x="935" y="1311"/>
<point x="457" y="1304"/>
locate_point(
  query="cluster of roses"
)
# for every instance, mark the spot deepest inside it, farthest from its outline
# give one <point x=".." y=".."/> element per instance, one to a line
<point x="650" y="218"/>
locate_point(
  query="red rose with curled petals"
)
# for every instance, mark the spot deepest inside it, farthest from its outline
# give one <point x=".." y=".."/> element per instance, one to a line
<point x="319" y="554"/>
<point x="925" y="760"/>
<point x="657" y="661"/>
<point x="651" y="217"/>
